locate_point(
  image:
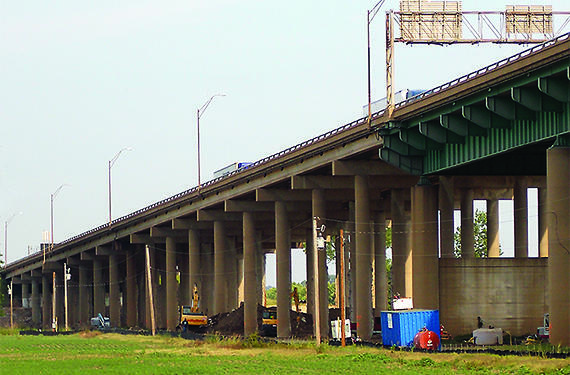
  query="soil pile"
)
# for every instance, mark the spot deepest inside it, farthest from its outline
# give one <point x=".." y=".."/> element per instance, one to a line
<point x="22" y="317"/>
<point x="232" y="323"/>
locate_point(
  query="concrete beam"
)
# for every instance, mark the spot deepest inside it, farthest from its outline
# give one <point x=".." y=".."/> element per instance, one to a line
<point x="272" y="195"/>
<point x="190" y="224"/>
<point x="36" y="273"/>
<point x="214" y="215"/>
<point x="364" y="168"/>
<point x="51" y="266"/>
<point x="104" y="251"/>
<point x="139" y="238"/>
<point x="161" y="232"/>
<point x="233" y="205"/>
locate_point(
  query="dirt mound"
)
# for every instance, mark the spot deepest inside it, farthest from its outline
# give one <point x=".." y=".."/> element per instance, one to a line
<point x="22" y="317"/>
<point x="232" y="323"/>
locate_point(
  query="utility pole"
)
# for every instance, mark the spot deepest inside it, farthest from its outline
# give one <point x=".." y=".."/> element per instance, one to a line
<point x="341" y="291"/>
<point x="316" y="317"/>
<point x="66" y="278"/>
<point x="11" y="304"/>
<point x="149" y="286"/>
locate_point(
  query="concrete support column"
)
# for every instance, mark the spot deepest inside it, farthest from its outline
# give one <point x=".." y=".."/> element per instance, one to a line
<point x="250" y="277"/>
<point x="557" y="198"/>
<point x="521" y="220"/>
<point x="542" y="224"/>
<point x="400" y="246"/>
<point x="207" y="278"/>
<point x="424" y="247"/>
<point x="380" y="280"/>
<point x="446" y="205"/>
<point x="84" y="287"/>
<point x="231" y="274"/>
<point x="467" y="228"/>
<point x="46" y="300"/>
<point x="493" y="249"/>
<point x="98" y="288"/>
<point x="363" y="258"/>
<point x="240" y="280"/>
<point x="194" y="263"/>
<point x="114" y="291"/>
<point x="184" y="290"/>
<point x="154" y="283"/>
<point x="259" y="267"/>
<point x="310" y="262"/>
<point x="171" y="284"/>
<point x="26" y="295"/>
<point x="283" y="259"/>
<point x="319" y="210"/>
<point x="36" y="303"/>
<point x="351" y="262"/>
<point x="219" y="267"/>
<point x="131" y="286"/>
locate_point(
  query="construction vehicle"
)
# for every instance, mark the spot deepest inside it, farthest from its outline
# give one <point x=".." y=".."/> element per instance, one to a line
<point x="190" y="317"/>
<point x="269" y="323"/>
<point x="544" y="331"/>
<point x="100" y="322"/>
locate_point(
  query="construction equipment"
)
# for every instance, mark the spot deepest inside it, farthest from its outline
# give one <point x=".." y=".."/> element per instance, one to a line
<point x="191" y="316"/>
<point x="269" y="323"/>
<point x="544" y="331"/>
<point x="100" y="322"/>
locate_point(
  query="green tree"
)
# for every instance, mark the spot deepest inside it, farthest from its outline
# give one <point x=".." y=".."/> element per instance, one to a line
<point x="480" y="236"/>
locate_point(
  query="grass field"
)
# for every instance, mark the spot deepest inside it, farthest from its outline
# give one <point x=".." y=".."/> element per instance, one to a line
<point x="91" y="352"/>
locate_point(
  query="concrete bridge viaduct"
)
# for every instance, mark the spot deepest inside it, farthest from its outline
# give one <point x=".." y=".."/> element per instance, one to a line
<point x="489" y="135"/>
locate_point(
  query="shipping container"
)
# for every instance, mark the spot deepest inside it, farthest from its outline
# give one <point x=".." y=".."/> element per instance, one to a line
<point x="400" y="327"/>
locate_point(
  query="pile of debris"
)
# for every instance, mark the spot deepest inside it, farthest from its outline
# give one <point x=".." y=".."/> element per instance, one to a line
<point x="22" y="317"/>
<point x="232" y="323"/>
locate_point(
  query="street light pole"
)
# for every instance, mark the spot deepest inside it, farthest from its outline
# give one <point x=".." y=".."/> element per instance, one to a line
<point x="199" y="114"/>
<point x="111" y="163"/>
<point x="6" y="237"/>
<point x="52" y="197"/>
<point x="370" y="17"/>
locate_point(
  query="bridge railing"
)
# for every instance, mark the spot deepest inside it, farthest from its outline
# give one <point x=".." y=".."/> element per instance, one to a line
<point x="484" y="70"/>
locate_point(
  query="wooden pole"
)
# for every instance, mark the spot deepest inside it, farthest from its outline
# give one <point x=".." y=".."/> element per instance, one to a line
<point x="316" y="315"/>
<point x="149" y="286"/>
<point x="341" y="291"/>
<point x="11" y="304"/>
<point x="65" y="294"/>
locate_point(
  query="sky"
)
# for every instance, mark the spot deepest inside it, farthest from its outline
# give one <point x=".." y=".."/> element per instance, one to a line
<point x="82" y="80"/>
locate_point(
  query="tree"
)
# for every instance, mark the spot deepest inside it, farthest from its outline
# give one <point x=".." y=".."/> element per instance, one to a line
<point x="480" y="234"/>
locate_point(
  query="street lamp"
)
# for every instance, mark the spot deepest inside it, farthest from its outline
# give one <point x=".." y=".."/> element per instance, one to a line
<point x="6" y="236"/>
<point x="371" y="14"/>
<point x="200" y="112"/>
<point x="51" y="214"/>
<point x="111" y="163"/>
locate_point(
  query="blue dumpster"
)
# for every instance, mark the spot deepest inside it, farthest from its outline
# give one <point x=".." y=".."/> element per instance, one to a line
<point x="400" y="327"/>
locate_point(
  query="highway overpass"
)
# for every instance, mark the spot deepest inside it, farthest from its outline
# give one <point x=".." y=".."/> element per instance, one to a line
<point x="490" y="134"/>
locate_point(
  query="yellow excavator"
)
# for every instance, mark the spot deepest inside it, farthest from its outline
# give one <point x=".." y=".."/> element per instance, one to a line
<point x="190" y="316"/>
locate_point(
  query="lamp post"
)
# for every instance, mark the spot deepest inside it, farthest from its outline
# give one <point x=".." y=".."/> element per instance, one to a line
<point x="51" y="214"/>
<point x="199" y="114"/>
<point x="371" y="14"/>
<point x="6" y="236"/>
<point x="111" y="163"/>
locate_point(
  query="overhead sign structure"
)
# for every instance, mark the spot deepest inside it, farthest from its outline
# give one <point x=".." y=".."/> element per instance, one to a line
<point x="445" y="22"/>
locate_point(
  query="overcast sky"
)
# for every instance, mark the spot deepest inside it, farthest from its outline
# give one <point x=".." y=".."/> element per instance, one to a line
<point x="81" y="80"/>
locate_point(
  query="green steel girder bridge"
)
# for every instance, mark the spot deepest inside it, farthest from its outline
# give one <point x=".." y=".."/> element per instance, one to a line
<point x="489" y="135"/>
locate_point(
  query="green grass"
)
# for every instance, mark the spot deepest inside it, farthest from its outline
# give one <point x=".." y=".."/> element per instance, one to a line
<point x="91" y="353"/>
